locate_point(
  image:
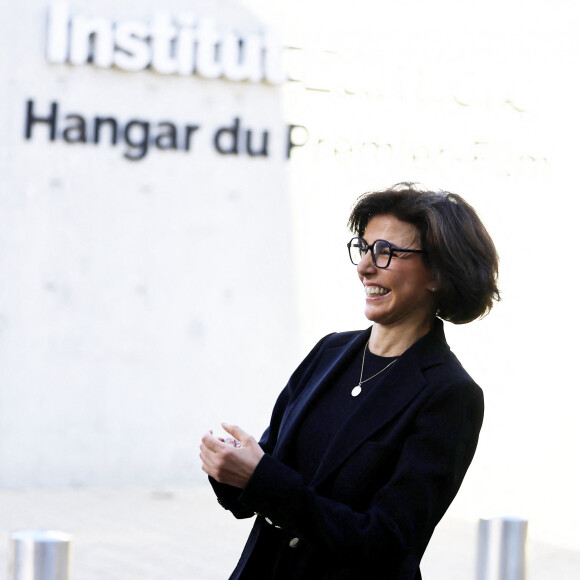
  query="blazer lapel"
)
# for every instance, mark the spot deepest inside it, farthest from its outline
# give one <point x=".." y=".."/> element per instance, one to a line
<point x="331" y="364"/>
<point x="402" y="383"/>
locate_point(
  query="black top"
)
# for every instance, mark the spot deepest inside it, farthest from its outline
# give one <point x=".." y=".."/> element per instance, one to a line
<point x="334" y="406"/>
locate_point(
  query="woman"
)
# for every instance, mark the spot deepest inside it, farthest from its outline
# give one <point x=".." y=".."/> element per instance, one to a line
<point x="372" y="436"/>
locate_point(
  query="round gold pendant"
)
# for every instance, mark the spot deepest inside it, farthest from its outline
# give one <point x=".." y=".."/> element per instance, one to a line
<point x="356" y="391"/>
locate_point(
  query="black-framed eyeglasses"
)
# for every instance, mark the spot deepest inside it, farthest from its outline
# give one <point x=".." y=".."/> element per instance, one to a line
<point x="381" y="251"/>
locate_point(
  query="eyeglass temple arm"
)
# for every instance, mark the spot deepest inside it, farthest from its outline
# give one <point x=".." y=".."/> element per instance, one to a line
<point x="393" y="250"/>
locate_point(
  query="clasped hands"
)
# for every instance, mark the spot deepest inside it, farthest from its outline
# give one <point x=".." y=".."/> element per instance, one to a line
<point x="230" y="460"/>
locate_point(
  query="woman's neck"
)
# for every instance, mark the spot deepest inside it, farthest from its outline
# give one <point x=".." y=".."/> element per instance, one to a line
<point x="395" y="340"/>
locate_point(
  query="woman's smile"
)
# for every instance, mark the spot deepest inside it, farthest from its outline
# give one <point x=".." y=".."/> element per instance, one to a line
<point x="374" y="292"/>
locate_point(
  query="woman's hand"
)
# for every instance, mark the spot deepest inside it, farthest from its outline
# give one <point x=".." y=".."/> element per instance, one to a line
<point x="231" y="460"/>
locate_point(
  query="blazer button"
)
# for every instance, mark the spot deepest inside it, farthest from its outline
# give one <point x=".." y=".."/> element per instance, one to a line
<point x="294" y="542"/>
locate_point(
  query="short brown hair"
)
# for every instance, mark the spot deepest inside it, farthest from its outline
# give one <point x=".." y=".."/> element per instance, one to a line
<point x="460" y="252"/>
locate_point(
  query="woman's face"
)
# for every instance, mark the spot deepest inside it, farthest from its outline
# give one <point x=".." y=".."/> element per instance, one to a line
<point x="402" y="294"/>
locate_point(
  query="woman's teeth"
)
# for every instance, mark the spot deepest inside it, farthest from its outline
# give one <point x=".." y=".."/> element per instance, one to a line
<point x="374" y="290"/>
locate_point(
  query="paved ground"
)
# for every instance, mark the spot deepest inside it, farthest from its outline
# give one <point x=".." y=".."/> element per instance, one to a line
<point x="181" y="533"/>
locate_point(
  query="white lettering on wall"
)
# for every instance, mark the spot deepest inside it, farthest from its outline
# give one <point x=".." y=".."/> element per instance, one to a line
<point x="185" y="45"/>
<point x="132" y="52"/>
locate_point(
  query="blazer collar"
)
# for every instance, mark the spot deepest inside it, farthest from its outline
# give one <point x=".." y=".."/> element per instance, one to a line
<point x="402" y="383"/>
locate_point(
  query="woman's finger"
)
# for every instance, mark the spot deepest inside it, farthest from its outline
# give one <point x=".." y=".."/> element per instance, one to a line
<point x="237" y="432"/>
<point x="211" y="442"/>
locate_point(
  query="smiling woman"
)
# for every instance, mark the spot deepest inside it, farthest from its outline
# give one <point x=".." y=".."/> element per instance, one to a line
<point x="457" y="248"/>
<point x="373" y="434"/>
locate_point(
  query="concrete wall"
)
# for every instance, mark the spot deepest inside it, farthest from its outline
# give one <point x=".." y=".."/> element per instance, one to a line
<point x="141" y="298"/>
<point x="143" y="301"/>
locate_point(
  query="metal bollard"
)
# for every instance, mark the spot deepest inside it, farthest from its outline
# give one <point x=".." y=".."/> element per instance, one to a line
<point x="501" y="549"/>
<point x="39" y="555"/>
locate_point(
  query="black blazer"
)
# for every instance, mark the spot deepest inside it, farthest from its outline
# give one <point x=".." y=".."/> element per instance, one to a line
<point x="385" y="481"/>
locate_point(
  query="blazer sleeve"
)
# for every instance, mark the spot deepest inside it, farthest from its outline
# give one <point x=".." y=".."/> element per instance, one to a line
<point x="229" y="496"/>
<point x="407" y="505"/>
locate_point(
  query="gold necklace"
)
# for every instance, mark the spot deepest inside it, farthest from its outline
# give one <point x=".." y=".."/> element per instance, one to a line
<point x="356" y="391"/>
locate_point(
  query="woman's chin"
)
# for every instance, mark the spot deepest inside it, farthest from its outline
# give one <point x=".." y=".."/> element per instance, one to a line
<point x="376" y="317"/>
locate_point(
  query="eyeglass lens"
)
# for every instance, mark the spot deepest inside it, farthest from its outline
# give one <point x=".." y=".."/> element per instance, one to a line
<point x="382" y="252"/>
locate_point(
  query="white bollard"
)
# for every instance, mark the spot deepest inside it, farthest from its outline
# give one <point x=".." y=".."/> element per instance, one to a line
<point x="39" y="555"/>
<point x="501" y="549"/>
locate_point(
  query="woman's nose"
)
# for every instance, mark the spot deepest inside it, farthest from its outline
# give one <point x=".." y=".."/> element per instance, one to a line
<point x="366" y="264"/>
